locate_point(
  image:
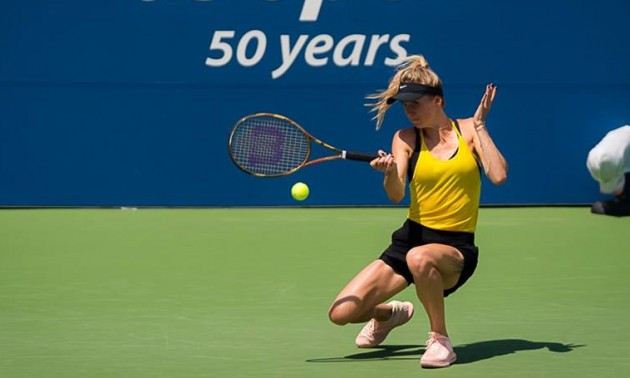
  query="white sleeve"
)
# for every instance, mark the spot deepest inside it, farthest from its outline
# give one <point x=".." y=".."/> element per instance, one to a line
<point x="610" y="158"/>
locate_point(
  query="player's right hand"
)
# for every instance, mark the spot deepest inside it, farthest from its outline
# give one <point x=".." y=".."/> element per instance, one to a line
<point x="384" y="162"/>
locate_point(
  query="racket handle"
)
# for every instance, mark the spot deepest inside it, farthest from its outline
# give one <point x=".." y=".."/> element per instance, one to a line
<point x="358" y="156"/>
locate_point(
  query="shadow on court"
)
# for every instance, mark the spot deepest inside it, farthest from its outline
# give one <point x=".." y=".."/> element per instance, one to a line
<point x="465" y="353"/>
<point x="488" y="349"/>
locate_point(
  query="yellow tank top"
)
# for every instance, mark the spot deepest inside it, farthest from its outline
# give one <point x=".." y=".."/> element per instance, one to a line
<point x="445" y="193"/>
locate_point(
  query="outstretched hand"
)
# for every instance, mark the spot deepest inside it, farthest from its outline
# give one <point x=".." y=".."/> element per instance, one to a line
<point x="485" y="105"/>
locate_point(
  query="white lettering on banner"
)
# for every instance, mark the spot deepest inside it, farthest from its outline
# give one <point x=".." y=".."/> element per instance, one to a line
<point x="217" y="44"/>
<point x="320" y="44"/>
<point x="260" y="48"/>
<point x="288" y="54"/>
<point x="310" y="10"/>
<point x="400" y="51"/>
<point x="354" y="58"/>
<point x="318" y="50"/>
<point x="377" y="41"/>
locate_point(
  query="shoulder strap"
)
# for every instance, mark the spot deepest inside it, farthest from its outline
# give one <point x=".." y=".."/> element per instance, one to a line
<point x="457" y="126"/>
<point x="418" y="141"/>
<point x="477" y="160"/>
<point x="413" y="160"/>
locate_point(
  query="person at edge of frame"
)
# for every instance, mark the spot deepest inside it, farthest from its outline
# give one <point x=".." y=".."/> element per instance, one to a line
<point x="609" y="164"/>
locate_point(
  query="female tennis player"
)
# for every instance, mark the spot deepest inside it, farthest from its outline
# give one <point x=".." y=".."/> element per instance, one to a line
<point x="434" y="249"/>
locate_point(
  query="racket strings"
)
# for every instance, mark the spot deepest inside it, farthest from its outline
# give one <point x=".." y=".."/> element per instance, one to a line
<point x="269" y="146"/>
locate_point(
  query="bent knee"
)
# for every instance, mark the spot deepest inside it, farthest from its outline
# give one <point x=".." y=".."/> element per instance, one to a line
<point x="420" y="259"/>
<point x="343" y="313"/>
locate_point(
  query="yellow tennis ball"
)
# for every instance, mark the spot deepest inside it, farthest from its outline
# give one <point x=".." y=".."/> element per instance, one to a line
<point x="299" y="191"/>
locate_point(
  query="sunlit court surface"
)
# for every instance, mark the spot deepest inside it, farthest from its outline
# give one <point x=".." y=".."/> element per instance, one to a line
<point x="189" y="186"/>
<point x="244" y="292"/>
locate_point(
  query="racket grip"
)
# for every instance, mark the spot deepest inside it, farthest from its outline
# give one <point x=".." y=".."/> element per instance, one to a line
<point x="358" y="156"/>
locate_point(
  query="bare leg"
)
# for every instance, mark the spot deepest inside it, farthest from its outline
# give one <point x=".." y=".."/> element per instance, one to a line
<point x="435" y="267"/>
<point x="362" y="298"/>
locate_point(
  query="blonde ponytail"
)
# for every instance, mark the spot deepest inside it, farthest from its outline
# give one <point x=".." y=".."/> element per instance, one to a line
<point x="413" y="69"/>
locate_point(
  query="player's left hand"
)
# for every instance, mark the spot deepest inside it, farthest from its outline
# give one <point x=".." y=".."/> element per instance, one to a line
<point x="485" y="104"/>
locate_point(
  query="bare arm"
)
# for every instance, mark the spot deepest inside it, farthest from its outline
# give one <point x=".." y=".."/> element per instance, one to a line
<point x="394" y="166"/>
<point x="494" y="164"/>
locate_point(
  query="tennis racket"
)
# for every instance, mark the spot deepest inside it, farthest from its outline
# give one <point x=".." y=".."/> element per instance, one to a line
<point x="271" y="145"/>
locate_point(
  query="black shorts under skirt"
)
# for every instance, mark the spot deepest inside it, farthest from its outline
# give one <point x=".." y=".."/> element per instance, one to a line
<point x="412" y="234"/>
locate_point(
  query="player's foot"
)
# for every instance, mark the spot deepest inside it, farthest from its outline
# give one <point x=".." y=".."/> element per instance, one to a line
<point x="376" y="331"/>
<point x="439" y="352"/>
<point x="617" y="207"/>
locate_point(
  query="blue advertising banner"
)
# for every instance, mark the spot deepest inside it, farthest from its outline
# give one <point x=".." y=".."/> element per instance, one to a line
<point x="130" y="102"/>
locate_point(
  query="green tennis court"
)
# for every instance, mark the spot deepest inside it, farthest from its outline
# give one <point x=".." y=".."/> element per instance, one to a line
<point x="245" y="292"/>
